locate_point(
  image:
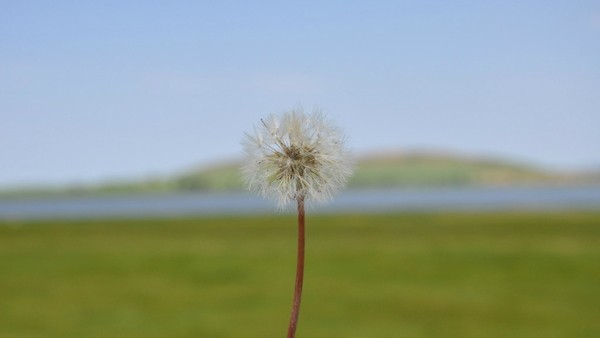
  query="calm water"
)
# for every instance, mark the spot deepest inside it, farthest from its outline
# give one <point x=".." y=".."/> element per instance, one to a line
<point x="358" y="201"/>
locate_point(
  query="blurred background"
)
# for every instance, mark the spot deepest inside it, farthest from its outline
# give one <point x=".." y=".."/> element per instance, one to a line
<point x="473" y="210"/>
<point x="124" y="89"/>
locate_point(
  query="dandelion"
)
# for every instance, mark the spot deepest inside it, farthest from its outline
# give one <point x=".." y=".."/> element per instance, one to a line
<point x="293" y="158"/>
<point x="296" y="155"/>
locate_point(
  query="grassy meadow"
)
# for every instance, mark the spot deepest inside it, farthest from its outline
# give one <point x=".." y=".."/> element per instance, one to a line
<point x="400" y="275"/>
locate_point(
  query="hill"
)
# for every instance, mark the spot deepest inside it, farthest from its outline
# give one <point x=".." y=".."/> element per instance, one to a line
<point x="385" y="170"/>
<point x="442" y="169"/>
<point x="412" y="169"/>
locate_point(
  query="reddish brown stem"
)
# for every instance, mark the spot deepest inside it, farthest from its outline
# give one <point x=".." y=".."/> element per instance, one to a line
<point x="299" y="271"/>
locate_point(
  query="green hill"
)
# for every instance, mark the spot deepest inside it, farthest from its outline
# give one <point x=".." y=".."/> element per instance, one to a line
<point x="430" y="169"/>
<point x="406" y="170"/>
<point x="415" y="169"/>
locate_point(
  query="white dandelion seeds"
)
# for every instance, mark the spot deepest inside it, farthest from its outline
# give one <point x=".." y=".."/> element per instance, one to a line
<point x="296" y="155"/>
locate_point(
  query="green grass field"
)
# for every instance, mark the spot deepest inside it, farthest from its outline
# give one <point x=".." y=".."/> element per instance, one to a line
<point x="407" y="275"/>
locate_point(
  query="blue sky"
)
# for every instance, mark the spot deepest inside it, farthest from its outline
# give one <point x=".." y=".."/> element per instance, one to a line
<point x="114" y="89"/>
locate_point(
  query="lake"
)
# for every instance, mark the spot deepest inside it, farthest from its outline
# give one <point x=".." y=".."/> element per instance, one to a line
<point x="381" y="200"/>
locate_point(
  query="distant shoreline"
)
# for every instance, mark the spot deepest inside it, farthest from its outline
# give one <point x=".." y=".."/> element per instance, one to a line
<point x="381" y="170"/>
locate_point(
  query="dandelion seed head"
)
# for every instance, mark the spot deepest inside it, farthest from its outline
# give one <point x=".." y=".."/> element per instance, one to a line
<point x="296" y="155"/>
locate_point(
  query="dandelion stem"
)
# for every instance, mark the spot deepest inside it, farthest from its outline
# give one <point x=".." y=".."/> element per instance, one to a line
<point x="299" y="271"/>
